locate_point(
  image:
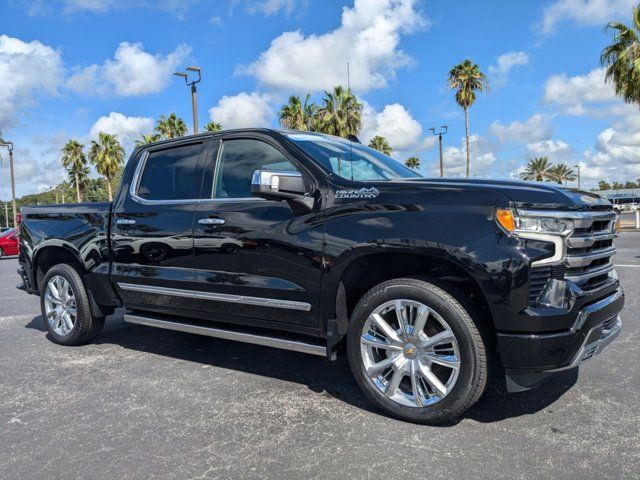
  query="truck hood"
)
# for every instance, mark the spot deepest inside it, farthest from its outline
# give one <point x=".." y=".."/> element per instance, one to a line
<point x="537" y="195"/>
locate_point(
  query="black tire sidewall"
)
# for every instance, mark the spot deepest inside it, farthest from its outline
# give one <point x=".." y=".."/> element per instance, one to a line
<point x="83" y="321"/>
<point x="457" y="399"/>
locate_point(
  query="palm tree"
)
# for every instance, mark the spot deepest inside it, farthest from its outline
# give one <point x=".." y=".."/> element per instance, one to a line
<point x="107" y="155"/>
<point x="171" y="126"/>
<point x="213" y="127"/>
<point x="340" y="113"/>
<point x="622" y="58"/>
<point x="380" y="143"/>
<point x="537" y="169"/>
<point x="604" y="185"/>
<point x="79" y="180"/>
<point x="561" y="173"/>
<point x="467" y="79"/>
<point x="74" y="160"/>
<point x="413" y="163"/>
<point x="296" y="115"/>
<point x="147" y="139"/>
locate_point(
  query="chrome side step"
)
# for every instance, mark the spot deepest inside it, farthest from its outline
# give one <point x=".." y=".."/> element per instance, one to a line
<point x="180" y="326"/>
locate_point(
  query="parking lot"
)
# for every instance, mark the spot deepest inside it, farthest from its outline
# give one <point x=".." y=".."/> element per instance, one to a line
<point x="147" y="403"/>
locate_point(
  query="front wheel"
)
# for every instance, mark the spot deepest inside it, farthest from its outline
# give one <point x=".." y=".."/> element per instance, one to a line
<point x="65" y="307"/>
<point x="415" y="350"/>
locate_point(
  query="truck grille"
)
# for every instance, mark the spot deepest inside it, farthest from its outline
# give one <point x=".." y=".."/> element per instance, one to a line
<point x="590" y="248"/>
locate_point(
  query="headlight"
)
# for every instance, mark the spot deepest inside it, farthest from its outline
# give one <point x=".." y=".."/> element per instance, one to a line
<point x="514" y="223"/>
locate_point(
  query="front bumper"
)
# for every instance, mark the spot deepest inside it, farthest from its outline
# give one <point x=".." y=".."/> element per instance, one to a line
<point x="529" y="359"/>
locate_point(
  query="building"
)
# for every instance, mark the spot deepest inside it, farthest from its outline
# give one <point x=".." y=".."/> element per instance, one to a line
<point x="623" y="195"/>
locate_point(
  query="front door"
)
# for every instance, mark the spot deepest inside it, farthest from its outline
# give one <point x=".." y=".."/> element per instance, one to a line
<point x="255" y="258"/>
<point x="152" y="228"/>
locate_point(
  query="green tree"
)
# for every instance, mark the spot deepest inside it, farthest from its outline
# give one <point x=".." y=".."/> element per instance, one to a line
<point x="75" y="162"/>
<point x="296" y="115"/>
<point x="537" y="169"/>
<point x="617" y="186"/>
<point x="78" y="180"/>
<point x="380" y="143"/>
<point x="213" y="127"/>
<point x="107" y="155"/>
<point x="603" y="185"/>
<point x="630" y="185"/>
<point x="147" y="139"/>
<point x="340" y="113"/>
<point x="561" y="173"/>
<point x="467" y="79"/>
<point x="170" y="127"/>
<point x="622" y="58"/>
<point x="413" y="163"/>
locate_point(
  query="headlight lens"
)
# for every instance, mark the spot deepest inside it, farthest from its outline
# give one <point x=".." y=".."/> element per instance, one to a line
<point x="512" y="222"/>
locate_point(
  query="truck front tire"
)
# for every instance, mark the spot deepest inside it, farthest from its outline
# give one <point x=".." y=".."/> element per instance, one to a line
<point x="65" y="307"/>
<point x="416" y="351"/>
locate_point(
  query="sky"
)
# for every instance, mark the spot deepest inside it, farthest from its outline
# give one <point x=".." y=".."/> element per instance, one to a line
<point x="73" y="68"/>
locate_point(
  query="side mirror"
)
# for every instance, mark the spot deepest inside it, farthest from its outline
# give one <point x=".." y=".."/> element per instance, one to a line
<point x="275" y="185"/>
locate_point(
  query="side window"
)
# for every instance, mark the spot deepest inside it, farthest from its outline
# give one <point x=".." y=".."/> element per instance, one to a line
<point x="172" y="174"/>
<point x="238" y="160"/>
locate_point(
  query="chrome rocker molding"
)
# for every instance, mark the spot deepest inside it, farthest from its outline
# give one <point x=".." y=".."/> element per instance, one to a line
<point x="219" y="297"/>
<point x="285" y="344"/>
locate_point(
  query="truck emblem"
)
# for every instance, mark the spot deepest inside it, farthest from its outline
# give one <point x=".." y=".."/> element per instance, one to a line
<point x="363" y="192"/>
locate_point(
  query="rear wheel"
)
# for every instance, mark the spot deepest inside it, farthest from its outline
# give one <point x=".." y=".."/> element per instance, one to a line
<point x="65" y="307"/>
<point x="416" y="351"/>
<point x="1" y="253"/>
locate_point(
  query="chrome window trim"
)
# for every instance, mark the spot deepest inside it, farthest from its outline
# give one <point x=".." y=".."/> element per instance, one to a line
<point x="219" y="297"/>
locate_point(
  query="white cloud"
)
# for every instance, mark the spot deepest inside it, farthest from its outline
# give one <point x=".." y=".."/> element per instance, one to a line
<point x="69" y="7"/>
<point x="128" y="129"/>
<point x="271" y="7"/>
<point x="368" y="38"/>
<point x="536" y="128"/>
<point x="243" y="110"/>
<point x="27" y="70"/>
<point x="584" y="13"/>
<point x="504" y="64"/>
<point x="556" y="149"/>
<point x="482" y="159"/>
<point x="577" y="95"/>
<point x="394" y="123"/>
<point x="132" y="72"/>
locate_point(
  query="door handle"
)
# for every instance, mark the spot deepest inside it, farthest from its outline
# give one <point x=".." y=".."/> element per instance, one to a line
<point x="125" y="221"/>
<point x="212" y="221"/>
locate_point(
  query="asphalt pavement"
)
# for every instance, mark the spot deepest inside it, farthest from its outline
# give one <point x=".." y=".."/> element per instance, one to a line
<point x="142" y="403"/>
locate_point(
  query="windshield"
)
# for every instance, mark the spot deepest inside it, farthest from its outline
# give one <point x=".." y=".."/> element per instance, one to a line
<point x="350" y="160"/>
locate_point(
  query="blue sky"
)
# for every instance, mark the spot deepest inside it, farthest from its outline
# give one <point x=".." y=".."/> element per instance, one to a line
<point x="71" y="68"/>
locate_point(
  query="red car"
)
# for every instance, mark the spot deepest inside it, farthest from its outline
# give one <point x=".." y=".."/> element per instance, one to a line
<point x="9" y="243"/>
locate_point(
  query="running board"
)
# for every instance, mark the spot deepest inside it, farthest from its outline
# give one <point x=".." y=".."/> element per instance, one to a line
<point x="181" y="326"/>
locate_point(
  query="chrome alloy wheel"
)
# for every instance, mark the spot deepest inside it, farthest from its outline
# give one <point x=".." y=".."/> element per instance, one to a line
<point x="410" y="353"/>
<point x="60" y="305"/>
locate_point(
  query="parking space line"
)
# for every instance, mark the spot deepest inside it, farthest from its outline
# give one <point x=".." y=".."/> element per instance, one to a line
<point x="632" y="266"/>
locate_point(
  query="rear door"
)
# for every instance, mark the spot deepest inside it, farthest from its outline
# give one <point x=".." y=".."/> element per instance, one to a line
<point x="152" y="228"/>
<point x="255" y="259"/>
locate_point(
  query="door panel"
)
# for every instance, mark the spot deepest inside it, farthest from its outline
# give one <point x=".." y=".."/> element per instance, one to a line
<point x="152" y="230"/>
<point x="255" y="258"/>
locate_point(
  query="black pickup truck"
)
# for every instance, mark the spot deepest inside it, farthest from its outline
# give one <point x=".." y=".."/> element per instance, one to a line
<point x="317" y="244"/>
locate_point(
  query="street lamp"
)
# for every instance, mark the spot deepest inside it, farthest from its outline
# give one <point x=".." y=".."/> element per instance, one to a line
<point x="9" y="146"/>
<point x="578" y="167"/>
<point x="442" y="131"/>
<point x="192" y="84"/>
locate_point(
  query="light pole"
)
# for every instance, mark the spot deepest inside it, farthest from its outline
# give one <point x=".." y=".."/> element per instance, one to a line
<point x="9" y="146"/>
<point x="6" y="214"/>
<point x="442" y="131"/>
<point x="194" y="99"/>
<point x="578" y="167"/>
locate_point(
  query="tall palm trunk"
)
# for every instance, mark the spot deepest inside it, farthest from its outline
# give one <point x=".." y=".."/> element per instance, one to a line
<point x="78" y="188"/>
<point x="466" y="124"/>
<point x="109" y="189"/>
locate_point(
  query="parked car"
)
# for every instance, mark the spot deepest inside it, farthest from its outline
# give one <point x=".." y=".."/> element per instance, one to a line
<point x="317" y="244"/>
<point x="8" y="243"/>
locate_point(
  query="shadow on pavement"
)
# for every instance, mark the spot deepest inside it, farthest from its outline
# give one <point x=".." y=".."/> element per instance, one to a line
<point x="318" y="374"/>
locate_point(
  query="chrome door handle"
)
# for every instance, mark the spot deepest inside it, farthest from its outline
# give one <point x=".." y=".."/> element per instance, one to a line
<point x="125" y="221"/>
<point x="211" y="221"/>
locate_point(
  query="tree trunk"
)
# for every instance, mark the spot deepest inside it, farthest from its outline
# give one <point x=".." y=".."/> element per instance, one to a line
<point x="79" y="198"/>
<point x="109" y="188"/>
<point x="466" y="124"/>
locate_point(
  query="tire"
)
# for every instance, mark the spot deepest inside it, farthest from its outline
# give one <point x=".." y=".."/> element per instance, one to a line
<point x="414" y="384"/>
<point x="1" y="253"/>
<point x="80" y="326"/>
